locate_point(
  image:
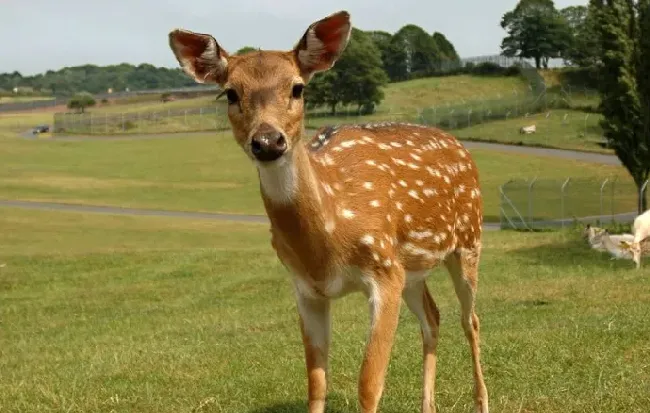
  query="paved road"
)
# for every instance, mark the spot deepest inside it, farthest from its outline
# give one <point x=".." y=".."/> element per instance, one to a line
<point x="55" y="206"/>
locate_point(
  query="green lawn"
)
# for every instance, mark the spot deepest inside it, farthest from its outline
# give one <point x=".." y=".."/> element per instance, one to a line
<point x="141" y="314"/>
<point x="200" y="172"/>
<point x="565" y="129"/>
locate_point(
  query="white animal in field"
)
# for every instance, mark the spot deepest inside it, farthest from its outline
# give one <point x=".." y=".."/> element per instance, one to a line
<point x="594" y="236"/>
<point x="528" y="129"/>
<point x="641" y="229"/>
<point x="617" y="249"/>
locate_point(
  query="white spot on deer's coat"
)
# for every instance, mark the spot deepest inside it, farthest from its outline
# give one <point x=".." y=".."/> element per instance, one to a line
<point x="414" y="194"/>
<point x="383" y="146"/>
<point x="374" y="203"/>
<point x="367" y="185"/>
<point x="398" y="205"/>
<point x="370" y="162"/>
<point x="348" y="144"/>
<point x="395" y="144"/>
<point x="419" y="183"/>
<point x="403" y="183"/>
<point x="346" y="213"/>
<point x="367" y="240"/>
<point x="420" y="234"/>
<point x="408" y="218"/>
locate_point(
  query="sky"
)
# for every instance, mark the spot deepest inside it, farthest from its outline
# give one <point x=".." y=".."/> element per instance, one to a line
<point x="40" y="35"/>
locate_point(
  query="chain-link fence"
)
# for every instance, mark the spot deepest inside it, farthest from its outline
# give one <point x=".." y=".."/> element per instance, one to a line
<point x="545" y="203"/>
<point x="160" y="121"/>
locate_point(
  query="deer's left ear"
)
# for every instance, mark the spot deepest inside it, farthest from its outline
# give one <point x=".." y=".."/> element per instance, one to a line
<point x="200" y="56"/>
<point x="323" y="43"/>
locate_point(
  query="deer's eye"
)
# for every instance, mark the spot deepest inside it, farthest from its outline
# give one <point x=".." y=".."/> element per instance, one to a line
<point x="232" y="97"/>
<point x="296" y="92"/>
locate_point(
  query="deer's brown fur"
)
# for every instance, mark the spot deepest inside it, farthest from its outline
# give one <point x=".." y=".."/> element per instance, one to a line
<point x="369" y="208"/>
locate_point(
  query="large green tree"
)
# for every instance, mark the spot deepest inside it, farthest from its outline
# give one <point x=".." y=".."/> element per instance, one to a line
<point x="81" y="101"/>
<point x="423" y="57"/>
<point x="393" y="55"/>
<point x="536" y="30"/>
<point x="624" y="27"/>
<point x="584" y="43"/>
<point x="356" y="78"/>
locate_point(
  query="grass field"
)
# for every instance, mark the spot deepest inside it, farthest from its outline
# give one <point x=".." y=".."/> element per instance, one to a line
<point x="200" y="172"/>
<point x="14" y="99"/>
<point x="141" y="314"/>
<point x="566" y="129"/>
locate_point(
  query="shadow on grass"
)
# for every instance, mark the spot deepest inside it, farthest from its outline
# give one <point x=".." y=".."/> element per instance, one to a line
<point x="334" y="404"/>
<point x="574" y="251"/>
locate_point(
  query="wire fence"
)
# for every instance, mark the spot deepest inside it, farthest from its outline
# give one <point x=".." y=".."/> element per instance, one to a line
<point x="525" y="106"/>
<point x="159" y="121"/>
<point x="549" y="203"/>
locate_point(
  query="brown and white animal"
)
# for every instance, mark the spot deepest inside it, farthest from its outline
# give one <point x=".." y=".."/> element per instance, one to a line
<point x="641" y="229"/>
<point x="370" y="208"/>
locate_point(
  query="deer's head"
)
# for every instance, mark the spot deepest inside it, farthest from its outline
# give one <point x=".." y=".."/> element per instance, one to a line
<point x="264" y="88"/>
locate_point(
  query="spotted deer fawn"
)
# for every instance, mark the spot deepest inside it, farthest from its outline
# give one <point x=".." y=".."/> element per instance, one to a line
<point x="370" y="208"/>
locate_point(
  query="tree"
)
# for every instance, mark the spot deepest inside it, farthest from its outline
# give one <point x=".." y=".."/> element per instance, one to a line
<point x="584" y="45"/>
<point x="393" y="56"/>
<point x="535" y="30"/>
<point x="81" y="101"/>
<point x="246" y="49"/>
<point x="446" y="48"/>
<point x="624" y="33"/>
<point x="422" y="54"/>
<point x="356" y="78"/>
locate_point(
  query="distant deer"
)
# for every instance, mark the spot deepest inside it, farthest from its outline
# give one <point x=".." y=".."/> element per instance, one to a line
<point x="370" y="208"/>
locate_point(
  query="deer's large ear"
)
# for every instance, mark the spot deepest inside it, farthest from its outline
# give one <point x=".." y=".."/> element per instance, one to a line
<point x="200" y="56"/>
<point x="323" y="43"/>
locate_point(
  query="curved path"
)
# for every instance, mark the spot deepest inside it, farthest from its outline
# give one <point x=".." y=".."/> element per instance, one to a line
<point x="55" y="206"/>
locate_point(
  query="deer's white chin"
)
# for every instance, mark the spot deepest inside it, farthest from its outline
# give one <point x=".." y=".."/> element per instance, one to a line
<point x="278" y="179"/>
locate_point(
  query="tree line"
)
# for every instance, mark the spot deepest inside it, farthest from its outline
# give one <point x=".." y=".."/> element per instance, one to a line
<point x="96" y="79"/>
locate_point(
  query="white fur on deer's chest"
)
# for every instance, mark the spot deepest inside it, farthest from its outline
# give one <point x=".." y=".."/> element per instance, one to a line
<point x="337" y="284"/>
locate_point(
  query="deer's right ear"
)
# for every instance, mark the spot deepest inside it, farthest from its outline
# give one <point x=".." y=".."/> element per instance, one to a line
<point x="323" y="43"/>
<point x="200" y="56"/>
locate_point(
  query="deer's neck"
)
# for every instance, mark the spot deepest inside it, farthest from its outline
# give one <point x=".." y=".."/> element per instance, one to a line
<point x="293" y="196"/>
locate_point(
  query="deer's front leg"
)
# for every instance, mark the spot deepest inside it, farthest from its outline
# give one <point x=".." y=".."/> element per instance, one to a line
<point x="315" y="327"/>
<point x="385" y="298"/>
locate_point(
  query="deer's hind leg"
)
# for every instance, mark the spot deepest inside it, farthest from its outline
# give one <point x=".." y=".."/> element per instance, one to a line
<point x="462" y="265"/>
<point x="419" y="301"/>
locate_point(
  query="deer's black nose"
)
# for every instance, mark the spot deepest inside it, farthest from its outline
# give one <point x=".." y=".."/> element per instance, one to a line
<point x="268" y="146"/>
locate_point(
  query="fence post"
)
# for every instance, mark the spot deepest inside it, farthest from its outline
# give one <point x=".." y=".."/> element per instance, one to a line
<point x="123" y="126"/>
<point x="530" y="201"/>
<point x="562" y="198"/>
<point x="642" y="196"/>
<point x="602" y="187"/>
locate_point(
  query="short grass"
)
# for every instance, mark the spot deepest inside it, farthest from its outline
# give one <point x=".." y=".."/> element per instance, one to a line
<point x="15" y="99"/>
<point x="141" y="314"/>
<point x="202" y="172"/>
<point x="14" y="123"/>
<point x="565" y="129"/>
